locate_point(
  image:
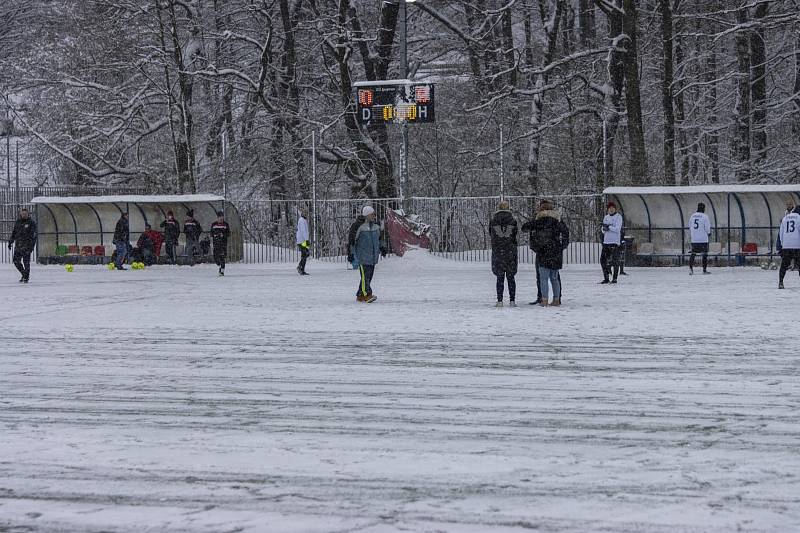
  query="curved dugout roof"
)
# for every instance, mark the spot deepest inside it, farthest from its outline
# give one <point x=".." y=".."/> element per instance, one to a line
<point x="739" y="214"/>
<point x="90" y="220"/>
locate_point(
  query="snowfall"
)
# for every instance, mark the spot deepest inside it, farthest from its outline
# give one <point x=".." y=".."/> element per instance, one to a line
<point x="172" y="400"/>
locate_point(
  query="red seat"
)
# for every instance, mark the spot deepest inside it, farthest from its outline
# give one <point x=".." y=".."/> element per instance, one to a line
<point x="750" y="248"/>
<point x="100" y="251"/>
<point x="86" y="251"/>
<point x="73" y="249"/>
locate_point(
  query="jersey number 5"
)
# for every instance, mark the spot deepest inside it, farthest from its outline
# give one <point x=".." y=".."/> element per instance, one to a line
<point x="696" y="223"/>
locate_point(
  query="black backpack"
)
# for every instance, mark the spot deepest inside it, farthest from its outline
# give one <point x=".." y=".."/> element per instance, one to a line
<point x="543" y="237"/>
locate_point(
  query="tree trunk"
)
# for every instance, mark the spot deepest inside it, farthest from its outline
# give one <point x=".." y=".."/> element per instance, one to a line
<point x="666" y="94"/>
<point x="741" y="137"/>
<point x="712" y="135"/>
<point x="633" y="100"/>
<point x="796" y="98"/>
<point x="586" y="21"/>
<point x="758" y="73"/>
<point x="680" y="105"/>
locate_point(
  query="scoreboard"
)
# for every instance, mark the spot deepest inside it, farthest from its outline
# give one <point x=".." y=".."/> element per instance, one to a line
<point x="394" y="101"/>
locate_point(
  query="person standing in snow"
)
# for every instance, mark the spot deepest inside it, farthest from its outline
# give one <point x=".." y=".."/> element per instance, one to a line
<point x="23" y="240"/>
<point x="192" y="230"/>
<point x="365" y="248"/>
<point x="549" y="237"/>
<point x="172" y="230"/>
<point x="700" y="231"/>
<point x="612" y="232"/>
<point x="503" y="232"/>
<point x="789" y="242"/>
<point x="303" y="242"/>
<point x="121" y="240"/>
<point x="220" y="231"/>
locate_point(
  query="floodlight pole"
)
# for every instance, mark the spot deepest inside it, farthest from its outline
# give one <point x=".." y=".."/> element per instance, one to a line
<point x="502" y="184"/>
<point x="314" y="192"/>
<point x="404" y="127"/>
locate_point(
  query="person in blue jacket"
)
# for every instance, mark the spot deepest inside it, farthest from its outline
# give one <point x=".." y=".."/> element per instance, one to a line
<point x="365" y="249"/>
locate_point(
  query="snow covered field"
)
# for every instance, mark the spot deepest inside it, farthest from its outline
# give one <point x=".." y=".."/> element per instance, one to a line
<point x="172" y="400"/>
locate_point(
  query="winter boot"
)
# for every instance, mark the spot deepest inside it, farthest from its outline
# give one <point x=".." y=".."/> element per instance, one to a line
<point x="512" y="303"/>
<point x="537" y="302"/>
<point x="361" y="298"/>
<point x="371" y="298"/>
<point x="544" y="303"/>
<point x="499" y="304"/>
<point x="556" y="302"/>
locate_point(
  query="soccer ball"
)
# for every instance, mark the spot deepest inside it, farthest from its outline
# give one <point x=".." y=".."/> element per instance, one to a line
<point x="69" y="268"/>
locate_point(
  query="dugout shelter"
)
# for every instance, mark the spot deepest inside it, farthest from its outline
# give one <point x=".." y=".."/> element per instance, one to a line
<point x="80" y="229"/>
<point x="745" y="220"/>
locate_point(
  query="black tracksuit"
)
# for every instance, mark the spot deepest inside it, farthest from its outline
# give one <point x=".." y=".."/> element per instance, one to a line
<point x="23" y="237"/>
<point x="503" y="231"/>
<point x="172" y="231"/>
<point x="192" y="230"/>
<point x="220" y="231"/>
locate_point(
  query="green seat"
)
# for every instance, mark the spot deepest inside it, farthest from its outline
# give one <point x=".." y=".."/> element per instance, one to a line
<point x="61" y="250"/>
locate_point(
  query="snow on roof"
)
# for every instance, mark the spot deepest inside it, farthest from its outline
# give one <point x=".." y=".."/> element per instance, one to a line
<point x="131" y="199"/>
<point x="383" y="82"/>
<point x="704" y="189"/>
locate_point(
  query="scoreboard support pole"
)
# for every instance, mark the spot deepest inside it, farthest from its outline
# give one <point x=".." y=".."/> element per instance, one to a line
<point x="404" y="74"/>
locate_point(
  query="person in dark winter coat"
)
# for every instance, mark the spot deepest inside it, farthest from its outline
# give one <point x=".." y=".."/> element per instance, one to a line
<point x="365" y="247"/>
<point x="220" y="231"/>
<point x="549" y="237"/>
<point x="503" y="231"/>
<point x="23" y="240"/>
<point x="122" y="238"/>
<point x="192" y="230"/>
<point x="172" y="230"/>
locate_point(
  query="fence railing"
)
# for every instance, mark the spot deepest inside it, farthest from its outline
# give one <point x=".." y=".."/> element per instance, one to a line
<point x="459" y="226"/>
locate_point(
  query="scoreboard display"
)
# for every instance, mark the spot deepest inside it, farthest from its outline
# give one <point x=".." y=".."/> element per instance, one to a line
<point x="394" y="101"/>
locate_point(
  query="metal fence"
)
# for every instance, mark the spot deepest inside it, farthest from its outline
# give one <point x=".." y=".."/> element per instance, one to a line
<point x="13" y="199"/>
<point x="459" y="226"/>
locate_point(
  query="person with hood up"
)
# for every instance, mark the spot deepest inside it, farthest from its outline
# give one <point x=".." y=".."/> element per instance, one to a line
<point x="549" y="237"/>
<point x="503" y="232"/>
<point x="365" y="248"/>
<point x="23" y="240"/>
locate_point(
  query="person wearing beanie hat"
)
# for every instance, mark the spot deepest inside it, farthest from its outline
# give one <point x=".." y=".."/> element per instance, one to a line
<point x="365" y="247"/>
<point x="192" y="230"/>
<point x="301" y="239"/>
<point x="503" y="233"/>
<point x="612" y="234"/>
<point x="699" y="231"/>
<point x="220" y="231"/>
<point x="172" y="231"/>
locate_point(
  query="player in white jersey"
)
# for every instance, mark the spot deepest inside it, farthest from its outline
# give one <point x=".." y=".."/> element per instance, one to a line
<point x="699" y="230"/>
<point x="789" y="242"/>
<point x="612" y="235"/>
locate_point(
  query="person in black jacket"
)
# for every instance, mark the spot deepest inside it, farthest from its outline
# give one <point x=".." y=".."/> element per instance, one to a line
<point x="503" y="231"/>
<point x="192" y="230"/>
<point x="23" y="239"/>
<point x="220" y="231"/>
<point x="122" y="238"/>
<point x="172" y="230"/>
<point x="549" y="238"/>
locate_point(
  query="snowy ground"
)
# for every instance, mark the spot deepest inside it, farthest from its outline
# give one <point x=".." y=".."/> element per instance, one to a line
<point x="171" y="400"/>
